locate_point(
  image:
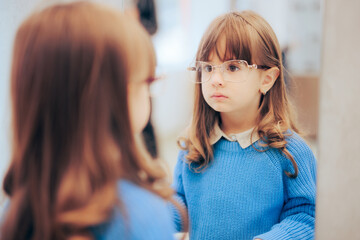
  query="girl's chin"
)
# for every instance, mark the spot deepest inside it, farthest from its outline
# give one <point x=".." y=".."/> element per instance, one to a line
<point x="219" y="109"/>
<point x="220" y="106"/>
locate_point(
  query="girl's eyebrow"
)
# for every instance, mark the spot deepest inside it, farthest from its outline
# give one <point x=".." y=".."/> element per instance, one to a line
<point x="232" y="58"/>
<point x="225" y="60"/>
<point x="212" y="63"/>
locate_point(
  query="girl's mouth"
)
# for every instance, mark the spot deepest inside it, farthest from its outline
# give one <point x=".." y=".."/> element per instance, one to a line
<point x="218" y="96"/>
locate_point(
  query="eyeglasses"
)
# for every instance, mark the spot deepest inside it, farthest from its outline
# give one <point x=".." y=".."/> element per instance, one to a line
<point x="233" y="70"/>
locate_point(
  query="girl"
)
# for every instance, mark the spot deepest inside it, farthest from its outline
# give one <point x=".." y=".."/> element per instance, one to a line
<point x="80" y="81"/>
<point x="244" y="172"/>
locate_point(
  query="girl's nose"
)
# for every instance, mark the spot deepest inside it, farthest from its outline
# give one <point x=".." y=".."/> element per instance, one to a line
<point x="217" y="78"/>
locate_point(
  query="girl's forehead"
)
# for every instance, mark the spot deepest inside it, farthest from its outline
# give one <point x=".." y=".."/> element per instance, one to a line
<point x="222" y="50"/>
<point x="219" y="49"/>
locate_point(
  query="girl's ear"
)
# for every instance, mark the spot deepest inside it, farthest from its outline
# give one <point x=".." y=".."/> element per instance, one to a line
<point x="268" y="79"/>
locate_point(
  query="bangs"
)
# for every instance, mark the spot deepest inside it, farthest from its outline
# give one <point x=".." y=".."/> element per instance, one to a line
<point x="237" y="43"/>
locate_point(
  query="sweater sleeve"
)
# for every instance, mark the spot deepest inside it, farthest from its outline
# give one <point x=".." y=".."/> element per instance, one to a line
<point x="179" y="191"/>
<point x="141" y="215"/>
<point x="297" y="220"/>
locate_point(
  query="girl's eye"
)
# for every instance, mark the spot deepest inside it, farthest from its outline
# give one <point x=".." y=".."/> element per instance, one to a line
<point x="233" y="68"/>
<point x="207" y="68"/>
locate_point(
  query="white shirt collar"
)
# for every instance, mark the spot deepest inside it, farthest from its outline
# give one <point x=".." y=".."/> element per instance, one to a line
<point x="244" y="138"/>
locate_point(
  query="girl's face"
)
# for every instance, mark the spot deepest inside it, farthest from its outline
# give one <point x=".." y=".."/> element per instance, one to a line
<point x="139" y="99"/>
<point x="235" y="99"/>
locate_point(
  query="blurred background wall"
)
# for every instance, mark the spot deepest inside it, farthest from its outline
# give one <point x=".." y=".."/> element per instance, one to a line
<point x="338" y="209"/>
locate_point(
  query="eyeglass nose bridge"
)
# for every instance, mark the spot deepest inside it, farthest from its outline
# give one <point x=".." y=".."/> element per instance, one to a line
<point x="221" y="67"/>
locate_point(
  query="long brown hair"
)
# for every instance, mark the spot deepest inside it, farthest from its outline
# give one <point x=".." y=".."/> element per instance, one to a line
<point x="72" y="137"/>
<point x="248" y="37"/>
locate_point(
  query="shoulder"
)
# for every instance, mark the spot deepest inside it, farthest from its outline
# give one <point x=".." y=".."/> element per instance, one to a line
<point x="304" y="185"/>
<point x="129" y="191"/>
<point x="141" y="215"/>
<point x="181" y="163"/>
<point x="182" y="155"/>
<point x="142" y="205"/>
<point x="301" y="152"/>
<point x="297" y="146"/>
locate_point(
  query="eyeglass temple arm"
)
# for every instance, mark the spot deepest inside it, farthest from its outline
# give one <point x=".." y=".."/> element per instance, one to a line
<point x="260" y="66"/>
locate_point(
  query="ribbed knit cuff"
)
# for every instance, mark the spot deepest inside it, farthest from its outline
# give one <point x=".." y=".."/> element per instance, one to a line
<point x="274" y="234"/>
<point x="175" y="214"/>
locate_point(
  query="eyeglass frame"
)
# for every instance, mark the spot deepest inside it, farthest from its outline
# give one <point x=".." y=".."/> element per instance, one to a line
<point x="252" y="66"/>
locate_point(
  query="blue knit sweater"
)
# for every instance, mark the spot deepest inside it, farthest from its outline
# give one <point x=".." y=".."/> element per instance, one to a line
<point x="245" y="194"/>
<point x="146" y="217"/>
